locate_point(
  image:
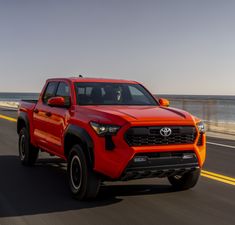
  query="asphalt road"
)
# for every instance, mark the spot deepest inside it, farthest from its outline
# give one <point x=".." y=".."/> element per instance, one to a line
<point x="39" y="195"/>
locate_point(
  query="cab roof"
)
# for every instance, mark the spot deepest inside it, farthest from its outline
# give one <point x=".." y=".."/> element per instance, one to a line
<point x="93" y="80"/>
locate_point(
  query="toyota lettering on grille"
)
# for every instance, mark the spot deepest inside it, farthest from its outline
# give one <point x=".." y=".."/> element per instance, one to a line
<point x="166" y="131"/>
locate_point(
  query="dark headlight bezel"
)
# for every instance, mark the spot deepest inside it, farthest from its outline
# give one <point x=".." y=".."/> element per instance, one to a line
<point x="104" y="129"/>
<point x="201" y="127"/>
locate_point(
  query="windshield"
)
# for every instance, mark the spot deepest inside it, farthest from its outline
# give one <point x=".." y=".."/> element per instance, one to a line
<point x="89" y="93"/>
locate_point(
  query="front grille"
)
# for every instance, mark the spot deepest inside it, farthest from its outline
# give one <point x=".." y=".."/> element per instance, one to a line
<point x="144" y="136"/>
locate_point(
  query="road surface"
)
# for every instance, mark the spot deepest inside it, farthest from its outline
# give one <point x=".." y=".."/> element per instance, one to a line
<point x="39" y="195"/>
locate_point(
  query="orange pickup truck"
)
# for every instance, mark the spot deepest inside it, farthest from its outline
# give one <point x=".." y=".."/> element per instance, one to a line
<point x="107" y="129"/>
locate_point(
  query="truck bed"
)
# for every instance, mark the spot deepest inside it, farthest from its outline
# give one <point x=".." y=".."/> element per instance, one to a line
<point x="27" y="105"/>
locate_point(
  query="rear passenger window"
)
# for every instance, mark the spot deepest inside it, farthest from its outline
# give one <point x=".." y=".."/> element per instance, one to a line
<point x="50" y="91"/>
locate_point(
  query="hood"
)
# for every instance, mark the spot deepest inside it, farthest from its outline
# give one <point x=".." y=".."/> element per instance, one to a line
<point x="144" y="113"/>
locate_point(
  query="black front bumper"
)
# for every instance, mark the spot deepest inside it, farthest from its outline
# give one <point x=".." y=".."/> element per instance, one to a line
<point x="160" y="164"/>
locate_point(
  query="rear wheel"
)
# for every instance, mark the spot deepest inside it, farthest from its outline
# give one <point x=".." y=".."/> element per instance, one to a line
<point x="27" y="152"/>
<point x="83" y="182"/>
<point x="185" y="181"/>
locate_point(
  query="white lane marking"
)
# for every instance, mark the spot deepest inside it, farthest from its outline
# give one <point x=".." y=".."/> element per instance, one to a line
<point x="222" y="145"/>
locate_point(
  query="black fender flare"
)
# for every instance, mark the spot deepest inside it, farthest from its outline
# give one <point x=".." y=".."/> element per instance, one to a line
<point x="23" y="117"/>
<point x="81" y="137"/>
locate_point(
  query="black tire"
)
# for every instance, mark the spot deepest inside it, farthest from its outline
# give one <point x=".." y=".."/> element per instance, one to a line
<point x="27" y="152"/>
<point x="186" y="181"/>
<point x="83" y="182"/>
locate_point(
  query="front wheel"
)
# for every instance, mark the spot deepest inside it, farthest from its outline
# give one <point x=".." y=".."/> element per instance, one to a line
<point x="83" y="182"/>
<point x="185" y="181"/>
<point x="27" y="152"/>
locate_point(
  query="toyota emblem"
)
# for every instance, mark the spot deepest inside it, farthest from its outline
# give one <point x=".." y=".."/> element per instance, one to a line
<point x="165" y="131"/>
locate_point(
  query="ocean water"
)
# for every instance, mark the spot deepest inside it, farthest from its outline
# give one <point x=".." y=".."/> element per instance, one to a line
<point x="5" y="96"/>
<point x="201" y="97"/>
<point x="219" y="109"/>
<point x="16" y="96"/>
<point x="215" y="108"/>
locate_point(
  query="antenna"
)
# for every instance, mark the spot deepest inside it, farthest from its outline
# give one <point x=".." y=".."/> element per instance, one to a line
<point x="80" y="76"/>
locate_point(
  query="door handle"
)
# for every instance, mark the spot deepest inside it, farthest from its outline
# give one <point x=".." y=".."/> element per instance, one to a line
<point x="36" y="110"/>
<point x="49" y="114"/>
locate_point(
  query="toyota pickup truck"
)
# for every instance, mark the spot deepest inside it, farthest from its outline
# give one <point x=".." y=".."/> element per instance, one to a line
<point x="111" y="130"/>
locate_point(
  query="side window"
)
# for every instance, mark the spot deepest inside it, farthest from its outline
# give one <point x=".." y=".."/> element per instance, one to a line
<point x="64" y="91"/>
<point x="50" y="91"/>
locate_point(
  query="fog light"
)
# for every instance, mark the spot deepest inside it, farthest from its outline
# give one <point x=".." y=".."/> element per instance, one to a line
<point x="187" y="156"/>
<point x="139" y="159"/>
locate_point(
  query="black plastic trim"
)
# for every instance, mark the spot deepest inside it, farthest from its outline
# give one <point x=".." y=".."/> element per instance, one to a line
<point x="200" y="140"/>
<point x="161" y="164"/>
<point x="150" y="135"/>
<point x="83" y="137"/>
<point x="109" y="145"/>
<point x="23" y="117"/>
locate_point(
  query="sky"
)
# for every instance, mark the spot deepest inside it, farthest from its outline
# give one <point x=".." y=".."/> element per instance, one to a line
<point x="171" y="46"/>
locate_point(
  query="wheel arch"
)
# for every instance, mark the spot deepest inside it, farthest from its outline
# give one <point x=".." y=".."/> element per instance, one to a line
<point x="22" y="121"/>
<point x="78" y="135"/>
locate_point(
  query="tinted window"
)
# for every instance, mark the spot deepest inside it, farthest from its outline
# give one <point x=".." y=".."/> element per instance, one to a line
<point x="50" y="91"/>
<point x="137" y="95"/>
<point x="63" y="91"/>
<point x="112" y="94"/>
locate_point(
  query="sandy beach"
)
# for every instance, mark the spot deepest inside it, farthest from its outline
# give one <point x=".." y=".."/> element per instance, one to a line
<point x="9" y="104"/>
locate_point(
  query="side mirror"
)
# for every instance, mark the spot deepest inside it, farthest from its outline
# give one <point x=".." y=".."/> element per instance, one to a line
<point x="164" y="102"/>
<point x="57" y="102"/>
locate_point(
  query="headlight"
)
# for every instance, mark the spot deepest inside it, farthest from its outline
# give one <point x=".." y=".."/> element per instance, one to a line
<point x="201" y="127"/>
<point x="104" y="129"/>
